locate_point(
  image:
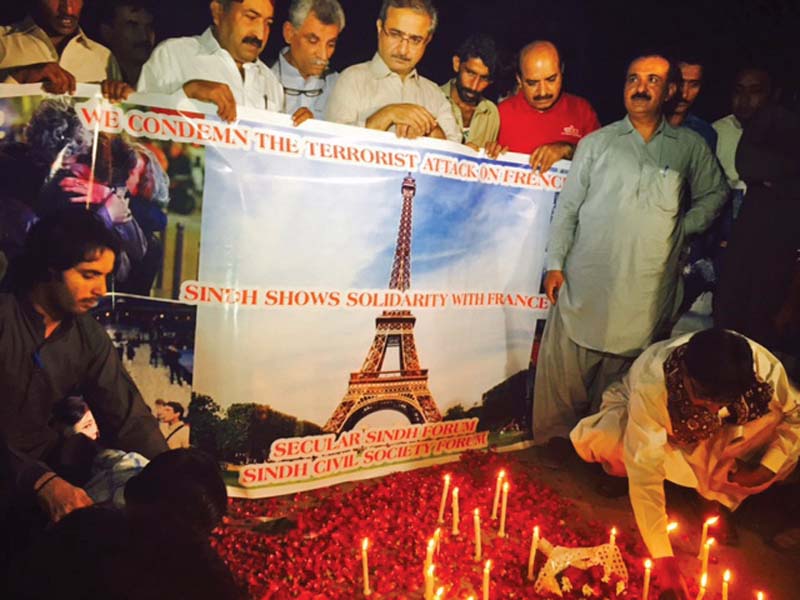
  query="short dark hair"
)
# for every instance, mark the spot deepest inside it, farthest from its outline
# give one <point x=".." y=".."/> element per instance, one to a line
<point x="53" y="125"/>
<point x="420" y="6"/>
<point x="720" y="362"/>
<point x="58" y="242"/>
<point x="107" y="10"/>
<point x="182" y="488"/>
<point x="176" y="407"/>
<point x="673" y="73"/>
<point x="482" y="46"/>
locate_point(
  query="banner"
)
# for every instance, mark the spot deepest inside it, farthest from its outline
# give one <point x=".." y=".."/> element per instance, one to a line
<point x="324" y="303"/>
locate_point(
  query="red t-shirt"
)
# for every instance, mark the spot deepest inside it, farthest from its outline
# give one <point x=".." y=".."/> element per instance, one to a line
<point x="523" y="128"/>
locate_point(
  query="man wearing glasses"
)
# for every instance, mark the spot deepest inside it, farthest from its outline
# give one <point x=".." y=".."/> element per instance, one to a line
<point x="386" y="93"/>
<point x="311" y="33"/>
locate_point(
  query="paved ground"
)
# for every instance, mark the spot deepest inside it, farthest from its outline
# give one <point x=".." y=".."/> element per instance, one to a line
<point x="754" y="564"/>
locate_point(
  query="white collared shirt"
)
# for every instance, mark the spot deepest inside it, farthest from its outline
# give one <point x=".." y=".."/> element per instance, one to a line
<point x="25" y="43"/>
<point x="178" y="60"/>
<point x="291" y="78"/>
<point x="365" y="88"/>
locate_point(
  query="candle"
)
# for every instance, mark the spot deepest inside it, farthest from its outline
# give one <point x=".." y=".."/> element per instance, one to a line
<point x="502" y="532"/>
<point x="703" y="582"/>
<point x="477" y="520"/>
<point x="648" y="565"/>
<point x="726" y="578"/>
<point x="455" y="511"/>
<point x="706" y="552"/>
<point x="429" y="555"/>
<point x="430" y="582"/>
<point x="486" y="569"/>
<point x="444" y="498"/>
<point x="534" y="548"/>
<point x="613" y="538"/>
<point x="710" y="522"/>
<point x="365" y="566"/>
<point x="437" y="537"/>
<point x="500" y="477"/>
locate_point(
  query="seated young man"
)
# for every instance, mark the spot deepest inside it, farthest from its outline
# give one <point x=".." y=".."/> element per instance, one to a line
<point x="712" y="411"/>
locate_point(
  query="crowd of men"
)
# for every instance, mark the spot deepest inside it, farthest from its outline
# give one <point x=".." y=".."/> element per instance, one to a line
<point x="658" y="208"/>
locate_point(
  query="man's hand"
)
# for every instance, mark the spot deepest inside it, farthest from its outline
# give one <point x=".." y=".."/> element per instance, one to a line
<point x="494" y="149"/>
<point x="546" y="156"/>
<point x="410" y="120"/>
<point x="553" y="281"/>
<point x="750" y="476"/>
<point x="213" y="91"/>
<point x="670" y="577"/>
<point x="80" y="188"/>
<point x="116" y="91"/>
<point x="301" y="114"/>
<point x="58" y="498"/>
<point x="55" y="79"/>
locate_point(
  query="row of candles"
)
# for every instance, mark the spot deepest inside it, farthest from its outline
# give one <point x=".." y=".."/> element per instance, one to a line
<point x="502" y="487"/>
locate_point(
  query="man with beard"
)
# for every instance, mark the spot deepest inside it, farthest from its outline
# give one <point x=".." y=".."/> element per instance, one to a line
<point x="311" y="33"/>
<point x="126" y="26"/>
<point x="477" y="117"/>
<point x="616" y="237"/>
<point x="387" y="93"/>
<point x="541" y="120"/>
<point x="49" y="47"/>
<point x="220" y="66"/>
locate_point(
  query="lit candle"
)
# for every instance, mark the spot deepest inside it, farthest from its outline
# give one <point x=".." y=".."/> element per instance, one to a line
<point x="726" y="578"/>
<point x="706" y="552"/>
<point x="710" y="522"/>
<point x="439" y="593"/>
<point x="365" y="566"/>
<point x="486" y="569"/>
<point x="444" y="498"/>
<point x="673" y="526"/>
<point x="534" y="548"/>
<point x="500" y="477"/>
<point x="430" y="582"/>
<point x="613" y="538"/>
<point x="502" y="532"/>
<point x="703" y="582"/>
<point x="648" y="565"/>
<point x="760" y="595"/>
<point x="455" y="511"/>
<point x="477" y="520"/>
<point x="437" y="537"/>
<point x="429" y="554"/>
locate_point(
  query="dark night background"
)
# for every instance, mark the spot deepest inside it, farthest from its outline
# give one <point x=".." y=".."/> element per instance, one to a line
<point x="596" y="38"/>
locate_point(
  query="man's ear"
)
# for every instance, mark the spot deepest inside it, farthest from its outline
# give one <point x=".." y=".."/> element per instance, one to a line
<point x="216" y="12"/>
<point x="379" y="26"/>
<point x="288" y="32"/>
<point x="456" y="63"/>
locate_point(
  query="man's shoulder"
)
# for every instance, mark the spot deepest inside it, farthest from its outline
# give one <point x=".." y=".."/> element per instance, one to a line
<point x="185" y="45"/>
<point x="23" y="27"/>
<point x="353" y="72"/>
<point x="576" y="103"/>
<point x="727" y="122"/>
<point x="511" y="104"/>
<point x="604" y="134"/>
<point x="94" y="333"/>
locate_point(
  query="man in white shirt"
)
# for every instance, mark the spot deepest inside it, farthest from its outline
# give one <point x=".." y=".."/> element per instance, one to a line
<point x="311" y="33"/>
<point x="49" y="47"/>
<point x="386" y="93"/>
<point x="712" y="411"/>
<point x="220" y="66"/>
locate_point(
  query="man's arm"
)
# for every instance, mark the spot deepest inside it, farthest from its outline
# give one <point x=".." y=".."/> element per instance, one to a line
<point x="708" y="186"/>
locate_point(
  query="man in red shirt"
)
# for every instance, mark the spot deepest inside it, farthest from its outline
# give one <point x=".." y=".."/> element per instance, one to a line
<point x="540" y="120"/>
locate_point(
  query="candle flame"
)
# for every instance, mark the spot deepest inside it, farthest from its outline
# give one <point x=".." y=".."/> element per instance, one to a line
<point x="431" y="569"/>
<point x="712" y="520"/>
<point x="455" y="491"/>
<point x="501" y="474"/>
<point x="613" y="531"/>
<point x="364" y="544"/>
<point x="488" y="565"/>
<point x="672" y="526"/>
<point x="536" y="530"/>
<point x="727" y="576"/>
<point x="760" y="595"/>
<point x="431" y="544"/>
<point x="440" y="592"/>
<point x="447" y="478"/>
<point x="505" y="487"/>
<point x="648" y="564"/>
<point x="710" y="542"/>
<point x="704" y="580"/>
<point x="477" y="512"/>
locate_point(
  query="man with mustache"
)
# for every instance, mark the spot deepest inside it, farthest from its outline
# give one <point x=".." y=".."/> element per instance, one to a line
<point x="541" y="120"/>
<point x="387" y="93"/>
<point x="52" y="348"/>
<point x="474" y="63"/>
<point x="690" y="85"/>
<point x="220" y="66"/>
<point x="50" y="47"/>
<point x="311" y="33"/>
<point x="126" y="26"/>
<point x="612" y="266"/>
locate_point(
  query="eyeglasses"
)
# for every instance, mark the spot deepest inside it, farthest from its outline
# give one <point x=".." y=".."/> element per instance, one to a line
<point x="398" y="37"/>
<point x="310" y="93"/>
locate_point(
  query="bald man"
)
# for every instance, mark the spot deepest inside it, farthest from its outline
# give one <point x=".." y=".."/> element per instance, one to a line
<point x="541" y="120"/>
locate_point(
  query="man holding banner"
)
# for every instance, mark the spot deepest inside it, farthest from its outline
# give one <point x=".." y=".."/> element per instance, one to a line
<point x="386" y="93"/>
<point x="615" y="240"/>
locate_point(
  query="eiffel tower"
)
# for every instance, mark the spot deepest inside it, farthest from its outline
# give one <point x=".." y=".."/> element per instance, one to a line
<point x="372" y="388"/>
